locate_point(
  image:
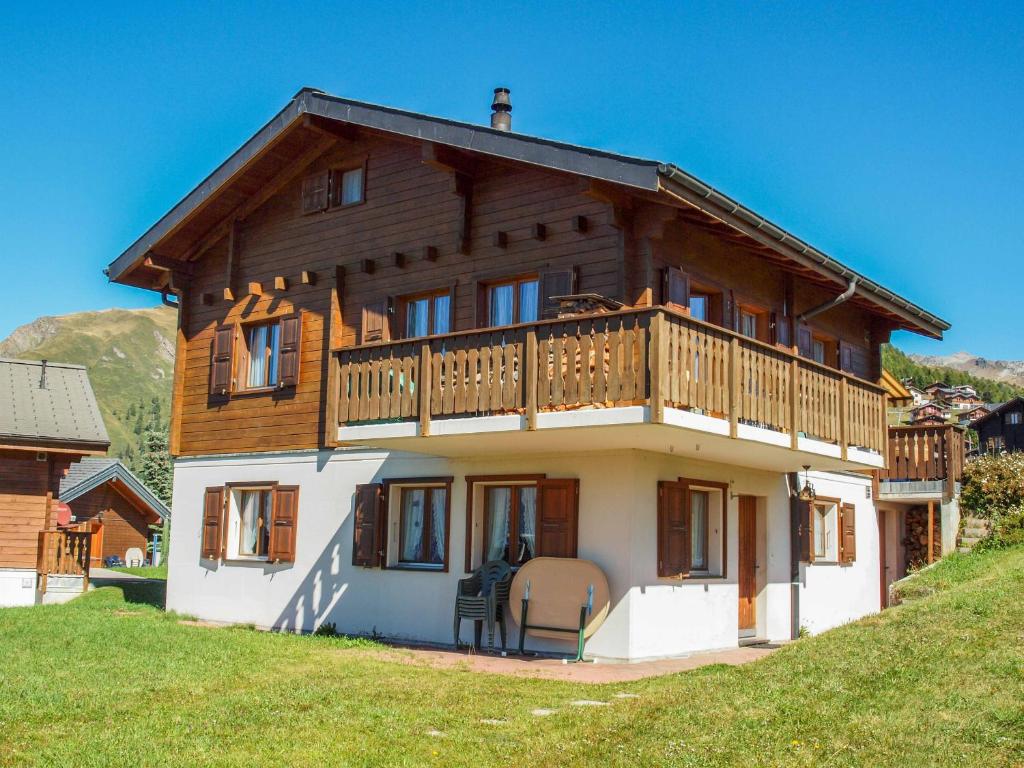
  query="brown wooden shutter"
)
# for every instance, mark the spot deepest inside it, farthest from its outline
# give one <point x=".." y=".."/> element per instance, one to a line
<point x="804" y="342"/>
<point x="221" y="356"/>
<point x="854" y="359"/>
<point x="368" y="526"/>
<point x="676" y="288"/>
<point x="481" y="317"/>
<point x="805" y="531"/>
<point x="213" y="519"/>
<point x="288" y="355"/>
<point x="782" y="330"/>
<point x="555" y="282"/>
<point x="557" y="517"/>
<point x="673" y="529"/>
<point x="717" y="309"/>
<point x="848" y="533"/>
<point x="376" y="323"/>
<point x="314" y="192"/>
<point x="734" y="312"/>
<point x="284" y="518"/>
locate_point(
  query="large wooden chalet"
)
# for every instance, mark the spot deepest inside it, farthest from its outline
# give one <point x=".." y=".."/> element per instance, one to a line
<point x="408" y="345"/>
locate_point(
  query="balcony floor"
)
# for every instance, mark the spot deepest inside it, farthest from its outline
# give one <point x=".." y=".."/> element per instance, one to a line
<point x="601" y="429"/>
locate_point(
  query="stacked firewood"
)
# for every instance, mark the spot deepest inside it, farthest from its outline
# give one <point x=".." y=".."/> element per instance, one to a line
<point x="916" y="536"/>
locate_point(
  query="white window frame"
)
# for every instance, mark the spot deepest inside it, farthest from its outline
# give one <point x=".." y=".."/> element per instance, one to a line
<point x="234" y="532"/>
<point x="271" y="354"/>
<point x="393" y="551"/>
<point x="717" y="512"/>
<point x="830" y="552"/>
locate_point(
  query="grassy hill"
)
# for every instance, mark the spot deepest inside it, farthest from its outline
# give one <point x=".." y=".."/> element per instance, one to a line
<point x="130" y="357"/>
<point x="901" y="366"/>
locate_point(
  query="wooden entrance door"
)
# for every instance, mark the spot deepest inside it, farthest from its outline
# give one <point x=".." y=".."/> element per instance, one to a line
<point x="747" y="576"/>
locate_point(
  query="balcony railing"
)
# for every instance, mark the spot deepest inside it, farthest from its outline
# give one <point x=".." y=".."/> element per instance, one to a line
<point x="925" y="454"/>
<point x="63" y="553"/>
<point x="655" y="356"/>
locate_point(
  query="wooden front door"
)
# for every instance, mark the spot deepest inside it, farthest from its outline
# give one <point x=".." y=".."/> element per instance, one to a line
<point x="747" y="576"/>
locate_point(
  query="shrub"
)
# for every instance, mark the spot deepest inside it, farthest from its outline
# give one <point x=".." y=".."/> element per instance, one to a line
<point x="993" y="489"/>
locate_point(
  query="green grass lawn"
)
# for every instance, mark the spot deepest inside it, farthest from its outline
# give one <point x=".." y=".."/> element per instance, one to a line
<point x="110" y="680"/>
<point x="148" y="571"/>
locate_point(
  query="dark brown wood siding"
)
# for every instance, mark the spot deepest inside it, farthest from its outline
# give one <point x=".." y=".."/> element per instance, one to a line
<point x="25" y="487"/>
<point x="125" y="525"/>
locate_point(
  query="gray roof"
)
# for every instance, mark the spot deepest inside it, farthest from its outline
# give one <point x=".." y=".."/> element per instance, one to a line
<point x="648" y="175"/>
<point x="92" y="471"/>
<point x="44" y="403"/>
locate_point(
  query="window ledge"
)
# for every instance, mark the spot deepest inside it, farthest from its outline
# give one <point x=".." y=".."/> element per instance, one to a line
<point x="429" y="568"/>
<point x="255" y="391"/>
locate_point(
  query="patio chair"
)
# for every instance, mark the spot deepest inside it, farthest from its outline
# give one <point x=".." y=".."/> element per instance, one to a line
<point x="483" y="597"/>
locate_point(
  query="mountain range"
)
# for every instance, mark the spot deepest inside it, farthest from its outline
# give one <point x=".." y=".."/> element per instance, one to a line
<point x="129" y="354"/>
<point x="1007" y="371"/>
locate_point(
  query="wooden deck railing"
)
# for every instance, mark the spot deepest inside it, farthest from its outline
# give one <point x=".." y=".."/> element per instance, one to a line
<point x="654" y="357"/>
<point x="63" y="553"/>
<point x="925" y="453"/>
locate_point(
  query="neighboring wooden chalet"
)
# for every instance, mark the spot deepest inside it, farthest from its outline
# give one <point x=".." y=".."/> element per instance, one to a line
<point x="1002" y="430"/>
<point x="973" y="414"/>
<point x="929" y="410"/>
<point x="410" y="345"/>
<point x="115" y="505"/>
<point x="48" y="420"/>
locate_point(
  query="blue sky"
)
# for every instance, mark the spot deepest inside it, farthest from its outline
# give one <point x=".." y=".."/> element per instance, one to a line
<point x="889" y="137"/>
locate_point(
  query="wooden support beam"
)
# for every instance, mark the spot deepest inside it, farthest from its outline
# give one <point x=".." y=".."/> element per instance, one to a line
<point x="367" y="266"/>
<point x="500" y="239"/>
<point x="659" y="367"/>
<point x="734" y="387"/>
<point x="794" y="404"/>
<point x="424" y="382"/>
<point x="167" y="264"/>
<point x="844" y="418"/>
<point x="931" y="531"/>
<point x="580" y="224"/>
<point x="308" y="277"/>
<point x="231" y="269"/>
<point x="206" y="299"/>
<point x="531" y="380"/>
<point x="399" y="258"/>
<point x="255" y="288"/>
<point x="539" y="232"/>
<point x="280" y="283"/>
<point x="447" y="159"/>
<point x="332" y="128"/>
<point x="430" y="253"/>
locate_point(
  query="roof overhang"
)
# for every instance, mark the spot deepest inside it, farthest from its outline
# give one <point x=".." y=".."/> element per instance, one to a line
<point x="199" y="213"/>
<point x="51" y="445"/>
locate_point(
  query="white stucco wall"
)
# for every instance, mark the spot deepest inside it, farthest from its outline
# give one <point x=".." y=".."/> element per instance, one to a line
<point x="17" y="587"/>
<point x="650" y="617"/>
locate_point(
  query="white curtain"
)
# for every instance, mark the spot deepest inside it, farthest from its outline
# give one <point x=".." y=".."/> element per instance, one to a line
<point x="437" y="522"/>
<point x="527" y="524"/>
<point x="442" y="313"/>
<point x="501" y="304"/>
<point x="257" y="356"/>
<point x="250" y="514"/>
<point x="412" y="521"/>
<point x="699" y="528"/>
<point x="528" y="297"/>
<point x="499" y="507"/>
<point x="352" y="186"/>
<point x="418" y="318"/>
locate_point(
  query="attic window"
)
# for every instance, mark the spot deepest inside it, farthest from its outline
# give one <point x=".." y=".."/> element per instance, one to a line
<point x="347" y="186"/>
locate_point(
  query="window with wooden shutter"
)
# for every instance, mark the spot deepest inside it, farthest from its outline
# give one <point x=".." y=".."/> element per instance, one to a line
<point x="283" y="524"/>
<point x="213" y="518"/>
<point x="848" y="534"/>
<point x="555" y="282"/>
<point x="291" y="340"/>
<point x="376" y="325"/>
<point x="676" y="290"/>
<point x="673" y="530"/>
<point x="557" y="517"/>
<point x="221" y="360"/>
<point x="805" y="342"/>
<point x="315" y="190"/>
<point x="368" y="526"/>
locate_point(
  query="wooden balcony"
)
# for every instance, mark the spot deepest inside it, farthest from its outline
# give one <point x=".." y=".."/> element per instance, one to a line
<point x="63" y="553"/>
<point x="923" y="462"/>
<point x="680" y="371"/>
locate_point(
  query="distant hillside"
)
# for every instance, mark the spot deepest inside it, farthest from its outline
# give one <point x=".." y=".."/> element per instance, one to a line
<point x="983" y="375"/>
<point x="130" y="357"/>
<point x="1006" y="371"/>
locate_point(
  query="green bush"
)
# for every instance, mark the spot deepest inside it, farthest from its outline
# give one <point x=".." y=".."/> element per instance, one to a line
<point x="993" y="490"/>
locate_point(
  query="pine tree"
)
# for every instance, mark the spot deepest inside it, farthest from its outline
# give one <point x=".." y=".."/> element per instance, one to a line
<point x="154" y="464"/>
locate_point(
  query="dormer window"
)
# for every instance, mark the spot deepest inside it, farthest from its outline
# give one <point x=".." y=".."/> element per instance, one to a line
<point x="263" y="347"/>
<point x="347" y="186"/>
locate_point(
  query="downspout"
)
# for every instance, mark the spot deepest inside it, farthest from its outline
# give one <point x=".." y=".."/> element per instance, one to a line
<point x="842" y="298"/>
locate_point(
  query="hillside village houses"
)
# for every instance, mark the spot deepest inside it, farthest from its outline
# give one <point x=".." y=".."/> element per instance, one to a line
<point x="409" y="346"/>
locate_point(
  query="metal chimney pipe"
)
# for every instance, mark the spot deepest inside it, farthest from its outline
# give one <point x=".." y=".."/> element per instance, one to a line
<point x="501" y="114"/>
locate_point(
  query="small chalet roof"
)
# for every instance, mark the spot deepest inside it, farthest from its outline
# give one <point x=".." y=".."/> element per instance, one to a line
<point x="312" y="113"/>
<point x="93" y="471"/>
<point x="45" y="404"/>
<point x="1009" y="405"/>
